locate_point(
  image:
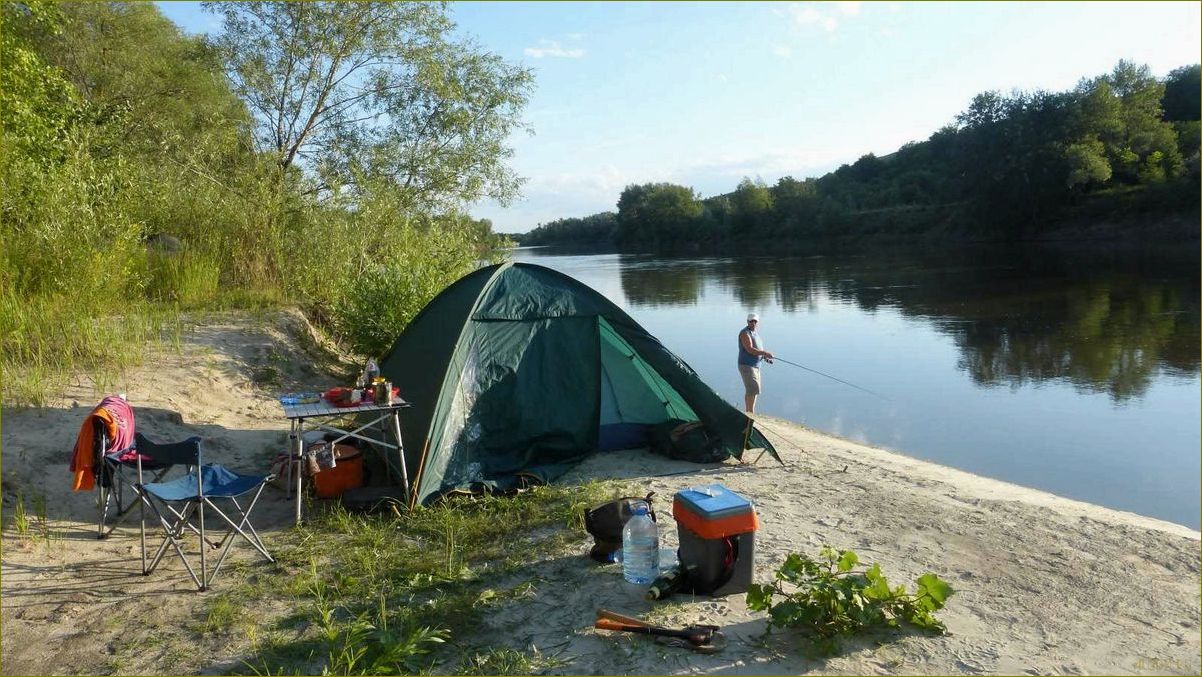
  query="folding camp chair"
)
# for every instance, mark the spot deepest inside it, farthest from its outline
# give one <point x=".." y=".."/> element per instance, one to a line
<point x="180" y="506"/>
<point x="114" y="472"/>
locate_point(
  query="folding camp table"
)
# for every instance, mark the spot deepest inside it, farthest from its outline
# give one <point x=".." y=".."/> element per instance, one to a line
<point x="321" y="416"/>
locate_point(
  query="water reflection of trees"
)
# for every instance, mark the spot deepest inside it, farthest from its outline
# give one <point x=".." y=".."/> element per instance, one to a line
<point x="1102" y="322"/>
<point x="656" y="284"/>
<point x="1113" y="336"/>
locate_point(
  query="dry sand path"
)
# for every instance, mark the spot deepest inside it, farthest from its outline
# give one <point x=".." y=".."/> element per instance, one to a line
<point x="1044" y="585"/>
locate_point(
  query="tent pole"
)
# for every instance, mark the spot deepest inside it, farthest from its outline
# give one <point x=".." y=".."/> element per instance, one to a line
<point x="747" y="439"/>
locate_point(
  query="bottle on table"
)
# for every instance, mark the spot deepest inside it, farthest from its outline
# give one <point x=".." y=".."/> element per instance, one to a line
<point x="640" y="547"/>
<point x="381" y="391"/>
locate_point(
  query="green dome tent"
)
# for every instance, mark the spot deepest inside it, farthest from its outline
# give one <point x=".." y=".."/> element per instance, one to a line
<point x="518" y="371"/>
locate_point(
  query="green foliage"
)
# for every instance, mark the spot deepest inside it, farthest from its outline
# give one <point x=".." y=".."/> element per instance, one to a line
<point x="21" y="519"/>
<point x="1008" y="167"/>
<point x="829" y="597"/>
<point x="1183" y="94"/>
<point x="506" y="661"/>
<point x="599" y="228"/>
<point x="382" y="91"/>
<point x="119" y="128"/>
<point x="385" y="295"/>
<point x="1087" y="163"/>
<point x="387" y="594"/>
<point x="752" y="203"/>
<point x="37" y="102"/>
<point x="366" y="645"/>
<point x="190" y="280"/>
<point x="657" y="211"/>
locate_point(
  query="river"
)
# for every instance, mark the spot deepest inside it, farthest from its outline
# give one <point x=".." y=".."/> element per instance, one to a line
<point x="1073" y="372"/>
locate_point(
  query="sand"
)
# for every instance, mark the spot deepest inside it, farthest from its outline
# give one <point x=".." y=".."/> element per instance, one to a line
<point x="1044" y="585"/>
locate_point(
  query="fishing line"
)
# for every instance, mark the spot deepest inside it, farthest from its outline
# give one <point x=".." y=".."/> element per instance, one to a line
<point x="802" y="366"/>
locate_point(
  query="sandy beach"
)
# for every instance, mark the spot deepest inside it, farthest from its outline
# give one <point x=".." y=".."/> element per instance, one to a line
<point x="1044" y="584"/>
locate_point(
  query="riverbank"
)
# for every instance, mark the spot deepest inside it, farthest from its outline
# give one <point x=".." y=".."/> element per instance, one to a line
<point x="1044" y="585"/>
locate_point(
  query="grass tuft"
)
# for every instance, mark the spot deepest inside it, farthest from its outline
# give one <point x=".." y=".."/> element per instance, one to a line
<point x="384" y="593"/>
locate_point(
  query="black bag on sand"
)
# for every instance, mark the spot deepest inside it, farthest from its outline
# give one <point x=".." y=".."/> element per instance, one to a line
<point x="604" y="523"/>
<point x="686" y="441"/>
<point x="374" y="499"/>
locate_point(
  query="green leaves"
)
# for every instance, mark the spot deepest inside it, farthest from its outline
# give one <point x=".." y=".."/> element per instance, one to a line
<point x="377" y="91"/>
<point x="933" y="587"/>
<point x="759" y="597"/>
<point x="828" y="597"/>
<point x="847" y="560"/>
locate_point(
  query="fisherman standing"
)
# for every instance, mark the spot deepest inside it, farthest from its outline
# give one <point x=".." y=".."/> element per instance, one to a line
<point x="750" y="353"/>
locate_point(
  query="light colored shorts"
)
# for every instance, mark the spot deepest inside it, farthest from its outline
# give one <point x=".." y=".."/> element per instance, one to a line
<point x="751" y="378"/>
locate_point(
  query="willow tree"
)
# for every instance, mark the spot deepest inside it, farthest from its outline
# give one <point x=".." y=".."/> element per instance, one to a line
<point x="358" y="92"/>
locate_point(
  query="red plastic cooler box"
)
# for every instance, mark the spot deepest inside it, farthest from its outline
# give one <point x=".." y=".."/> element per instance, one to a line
<point x="717" y="539"/>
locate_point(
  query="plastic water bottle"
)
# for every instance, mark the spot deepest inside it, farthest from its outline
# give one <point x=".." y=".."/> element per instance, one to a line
<point x="640" y="547"/>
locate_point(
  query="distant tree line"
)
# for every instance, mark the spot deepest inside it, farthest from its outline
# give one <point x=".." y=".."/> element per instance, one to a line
<point x="1008" y="166"/>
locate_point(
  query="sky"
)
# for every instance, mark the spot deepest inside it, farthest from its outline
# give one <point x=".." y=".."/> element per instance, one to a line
<point x="704" y="94"/>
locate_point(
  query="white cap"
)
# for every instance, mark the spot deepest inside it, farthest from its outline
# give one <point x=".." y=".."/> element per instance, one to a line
<point x="752" y="316"/>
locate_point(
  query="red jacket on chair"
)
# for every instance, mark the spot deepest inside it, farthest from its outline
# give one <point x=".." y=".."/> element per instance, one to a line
<point x="118" y="419"/>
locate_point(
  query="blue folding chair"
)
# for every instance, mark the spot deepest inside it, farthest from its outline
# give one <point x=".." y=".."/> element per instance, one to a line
<point x="180" y="506"/>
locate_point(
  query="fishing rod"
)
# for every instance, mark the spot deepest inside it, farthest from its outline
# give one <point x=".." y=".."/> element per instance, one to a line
<point x="802" y="366"/>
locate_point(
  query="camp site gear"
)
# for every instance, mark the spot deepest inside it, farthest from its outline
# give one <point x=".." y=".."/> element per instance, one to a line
<point x="343" y="473"/>
<point x="716" y="528"/>
<point x="207" y="488"/>
<point x="668" y="582"/>
<point x="115" y="419"/>
<point x="604" y="523"/>
<point x="515" y="370"/>
<point x="700" y="638"/>
<point x="374" y="499"/>
<point x="686" y="441"/>
<point x="106" y="457"/>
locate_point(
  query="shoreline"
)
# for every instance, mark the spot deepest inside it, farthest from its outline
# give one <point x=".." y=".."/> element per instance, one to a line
<point x="990" y="487"/>
<point x="1044" y="584"/>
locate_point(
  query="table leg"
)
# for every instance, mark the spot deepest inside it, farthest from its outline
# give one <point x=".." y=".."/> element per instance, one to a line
<point x="298" y="448"/>
<point x="400" y="450"/>
<point x="288" y="459"/>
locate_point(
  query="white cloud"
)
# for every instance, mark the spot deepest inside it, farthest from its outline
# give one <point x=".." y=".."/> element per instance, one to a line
<point x="799" y="162"/>
<point x="575" y="36"/>
<point x="848" y="8"/>
<point x="782" y="51"/>
<point x="824" y="15"/>
<point x="809" y="16"/>
<point x="552" y="48"/>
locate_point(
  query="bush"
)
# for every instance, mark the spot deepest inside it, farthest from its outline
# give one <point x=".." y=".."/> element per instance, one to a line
<point x="377" y="304"/>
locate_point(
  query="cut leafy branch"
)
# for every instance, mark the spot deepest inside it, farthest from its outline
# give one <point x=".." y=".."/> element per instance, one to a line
<point x="831" y="597"/>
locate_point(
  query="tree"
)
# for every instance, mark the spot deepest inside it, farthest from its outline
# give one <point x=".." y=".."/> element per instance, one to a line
<point x="1087" y="163"/>
<point x="376" y="89"/>
<point x="149" y="89"/>
<point x="1182" y="94"/>
<point x="1146" y="149"/>
<point x="37" y="101"/>
<point x="657" y="212"/>
<point x="752" y="203"/>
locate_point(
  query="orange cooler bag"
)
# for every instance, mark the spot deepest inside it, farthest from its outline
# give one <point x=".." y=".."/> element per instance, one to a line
<point x="347" y="473"/>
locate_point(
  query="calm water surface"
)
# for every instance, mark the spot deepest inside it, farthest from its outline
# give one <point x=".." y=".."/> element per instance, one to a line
<point x="1077" y="373"/>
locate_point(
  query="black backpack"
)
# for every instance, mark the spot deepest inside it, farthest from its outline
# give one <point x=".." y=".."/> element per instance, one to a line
<point x="686" y="441"/>
<point x="605" y="523"/>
